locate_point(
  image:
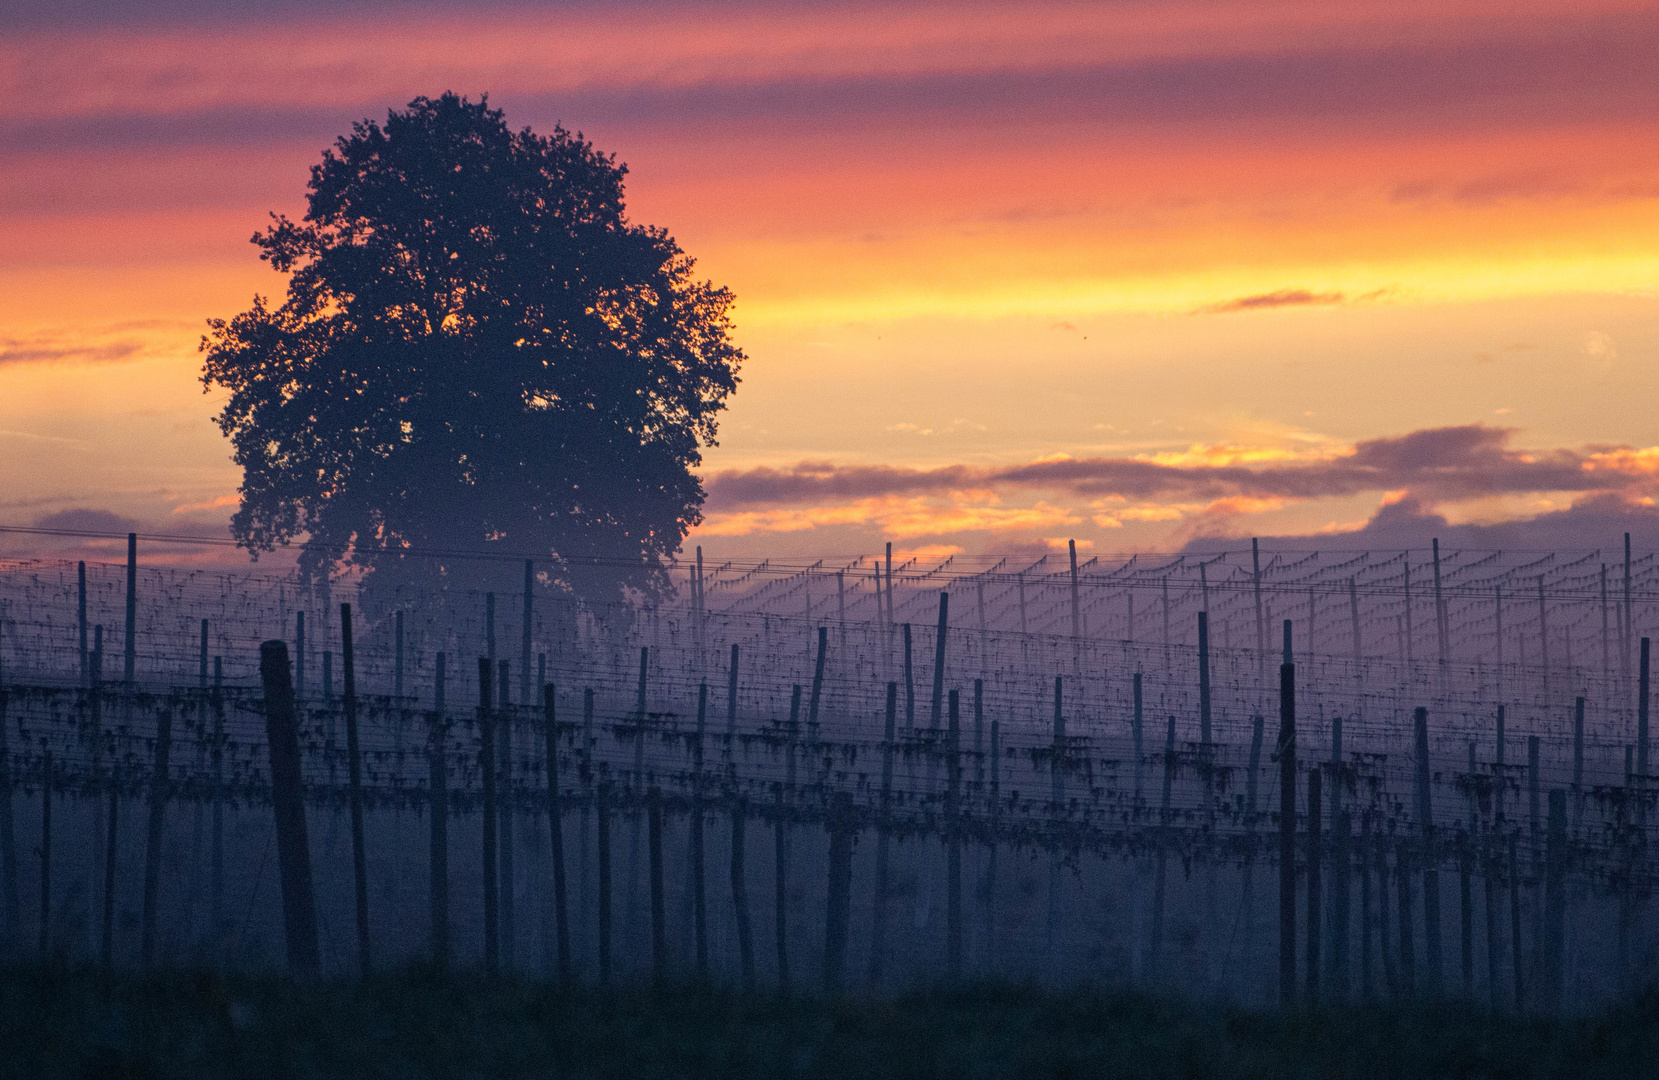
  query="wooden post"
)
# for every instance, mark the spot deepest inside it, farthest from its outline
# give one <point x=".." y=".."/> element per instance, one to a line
<point x="1366" y="988"/>
<point x="1466" y="907"/>
<point x="107" y="943"/>
<point x="299" y="910"/>
<point x="1642" y="732"/>
<point x="1408" y="947"/>
<point x="438" y="797"/>
<point x="1341" y="872"/>
<point x="699" y="900"/>
<point x="1204" y="679"/>
<point x="504" y="816"/>
<point x="130" y="658"/>
<point x="817" y="686"/>
<point x="1384" y="932"/>
<point x="159" y="792"/>
<point x="909" y="686"/>
<point x="555" y="824"/>
<point x="953" y="842"/>
<point x="397" y="656"/>
<point x="354" y="774"/>
<point x="217" y="885"/>
<point x="1056" y="809"/>
<point x="1315" y="924"/>
<point x="1555" y="906"/>
<point x="1261" y="624"/>
<point x="1287" y="828"/>
<point x="80" y="576"/>
<point x="740" y="897"/>
<point x="487" y="766"/>
<point x="731" y="705"/>
<point x="45" y="852"/>
<point x="1515" y="922"/>
<point x="1154" y="952"/>
<point x="990" y="885"/>
<point x="659" y="920"/>
<point x="602" y="814"/>
<point x="939" y="661"/>
<point x="1076" y="620"/>
<point x="780" y="863"/>
<point x="1431" y="871"/>
<point x="528" y="620"/>
<point x="838" y="901"/>
<point x="8" y="838"/>
<point x="878" y="916"/>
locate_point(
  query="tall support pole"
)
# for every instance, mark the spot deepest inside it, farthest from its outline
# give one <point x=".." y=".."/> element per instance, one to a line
<point x="397" y="655"/>
<point x="878" y="902"/>
<point x="130" y="658"/>
<point x="1261" y="624"/>
<point x="699" y="899"/>
<point x="1204" y="679"/>
<point x="731" y="703"/>
<point x="299" y="909"/>
<point x="159" y="793"/>
<point x="1287" y="833"/>
<point x="953" y="842"/>
<point x="80" y="574"/>
<point x="1076" y="601"/>
<point x="1642" y="711"/>
<point x="939" y="661"/>
<point x="555" y="823"/>
<point x="354" y="772"/>
<point x="1431" y="872"/>
<point x="1440" y="625"/>
<point x="529" y="621"/>
<point x="487" y="767"/>
<point x="437" y="751"/>
<point x="1627" y="630"/>
<point x="1315" y="884"/>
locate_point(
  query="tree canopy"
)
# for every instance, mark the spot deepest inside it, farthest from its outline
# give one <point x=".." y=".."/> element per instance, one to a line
<point x="478" y="352"/>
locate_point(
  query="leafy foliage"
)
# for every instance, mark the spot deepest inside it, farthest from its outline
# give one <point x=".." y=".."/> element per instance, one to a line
<point x="478" y="351"/>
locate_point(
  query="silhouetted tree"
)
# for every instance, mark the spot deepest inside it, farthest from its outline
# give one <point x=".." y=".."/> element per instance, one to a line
<point x="478" y="351"/>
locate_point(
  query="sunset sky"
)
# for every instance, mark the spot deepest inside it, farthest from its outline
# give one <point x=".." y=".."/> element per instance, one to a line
<point x="1225" y="257"/>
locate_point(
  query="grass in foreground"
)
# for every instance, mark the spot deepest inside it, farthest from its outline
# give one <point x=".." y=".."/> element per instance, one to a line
<point x="55" y="1023"/>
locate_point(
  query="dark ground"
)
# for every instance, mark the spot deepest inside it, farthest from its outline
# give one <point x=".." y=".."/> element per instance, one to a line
<point x="56" y="1023"/>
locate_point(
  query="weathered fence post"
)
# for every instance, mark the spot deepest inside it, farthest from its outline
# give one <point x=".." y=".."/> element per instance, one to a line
<point x="953" y="842"/>
<point x="45" y="851"/>
<point x="1555" y="906"/>
<point x="1287" y="830"/>
<point x="838" y="901"/>
<point x="878" y="902"/>
<point x="299" y="909"/>
<point x="486" y="766"/>
<point x="504" y="815"/>
<point x="740" y="897"/>
<point x="1430" y="856"/>
<point x="354" y="777"/>
<point x="939" y="661"/>
<point x="555" y="824"/>
<point x="1204" y="679"/>
<point x="438" y="796"/>
<point x="1315" y="924"/>
<point x="699" y="900"/>
<point x="659" y="920"/>
<point x="8" y="837"/>
<point x="218" y="762"/>
<point x="602" y="814"/>
<point x="152" y="849"/>
<point x="780" y="856"/>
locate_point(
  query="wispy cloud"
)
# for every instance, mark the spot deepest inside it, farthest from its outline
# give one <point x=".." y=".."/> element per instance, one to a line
<point x="66" y="350"/>
<point x="1428" y="467"/>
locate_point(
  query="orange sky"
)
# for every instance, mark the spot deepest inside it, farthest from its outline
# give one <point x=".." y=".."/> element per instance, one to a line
<point x="959" y="235"/>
